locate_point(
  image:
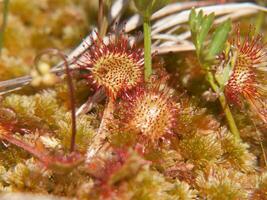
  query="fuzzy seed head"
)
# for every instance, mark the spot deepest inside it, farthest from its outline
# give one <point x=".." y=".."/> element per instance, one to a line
<point x="114" y="66"/>
<point x="151" y="112"/>
<point x="246" y="81"/>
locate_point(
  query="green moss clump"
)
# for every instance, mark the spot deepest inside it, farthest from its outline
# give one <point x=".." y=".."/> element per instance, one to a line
<point x="237" y="155"/>
<point x="201" y="149"/>
<point x="220" y="183"/>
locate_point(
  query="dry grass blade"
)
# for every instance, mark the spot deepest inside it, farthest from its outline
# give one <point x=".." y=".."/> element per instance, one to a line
<point x="183" y="16"/>
<point x="174" y="48"/>
<point x="90" y="103"/>
<point x="136" y="20"/>
<point x="116" y="9"/>
<point x="179" y="43"/>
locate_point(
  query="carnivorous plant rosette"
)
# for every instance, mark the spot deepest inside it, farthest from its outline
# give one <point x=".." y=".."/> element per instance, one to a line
<point x="115" y="65"/>
<point x="153" y="111"/>
<point x="247" y="82"/>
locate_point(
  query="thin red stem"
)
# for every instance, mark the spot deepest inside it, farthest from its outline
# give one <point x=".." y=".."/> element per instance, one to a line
<point x="71" y="91"/>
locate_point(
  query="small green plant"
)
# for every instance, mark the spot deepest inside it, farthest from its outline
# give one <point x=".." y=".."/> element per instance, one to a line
<point x="200" y="26"/>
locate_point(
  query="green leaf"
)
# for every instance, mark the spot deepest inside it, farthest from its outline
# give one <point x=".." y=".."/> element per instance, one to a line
<point x="219" y="39"/>
<point x="204" y="30"/>
<point x="193" y="20"/>
<point x="200" y="17"/>
<point x="225" y="68"/>
<point x="200" y="26"/>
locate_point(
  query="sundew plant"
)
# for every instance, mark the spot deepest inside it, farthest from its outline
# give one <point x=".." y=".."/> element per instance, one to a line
<point x="133" y="100"/>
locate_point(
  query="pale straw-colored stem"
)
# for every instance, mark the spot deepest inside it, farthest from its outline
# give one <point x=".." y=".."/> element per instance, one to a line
<point x="99" y="140"/>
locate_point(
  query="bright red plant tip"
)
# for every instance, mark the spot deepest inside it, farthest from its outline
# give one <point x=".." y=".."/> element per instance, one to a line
<point x="153" y="111"/>
<point x="246" y="82"/>
<point x="116" y="66"/>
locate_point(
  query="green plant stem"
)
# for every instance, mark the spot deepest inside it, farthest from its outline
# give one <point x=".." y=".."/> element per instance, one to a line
<point x="2" y="32"/>
<point x="147" y="46"/>
<point x="259" y="22"/>
<point x="225" y="106"/>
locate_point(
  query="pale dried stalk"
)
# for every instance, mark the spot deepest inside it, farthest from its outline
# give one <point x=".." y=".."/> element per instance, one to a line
<point x="90" y="103"/>
<point x="116" y="9"/>
<point x="174" y="48"/>
<point x="170" y="37"/>
<point x="99" y="140"/>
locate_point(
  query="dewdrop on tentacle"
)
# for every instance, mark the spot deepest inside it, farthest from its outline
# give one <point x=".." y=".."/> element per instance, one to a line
<point x="114" y="65"/>
<point x="150" y="111"/>
<point x="247" y="82"/>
